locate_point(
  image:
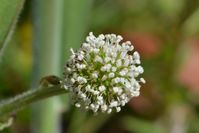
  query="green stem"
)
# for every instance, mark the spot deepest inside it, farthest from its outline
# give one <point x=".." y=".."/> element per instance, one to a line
<point x="12" y="105"/>
<point x="47" y="21"/>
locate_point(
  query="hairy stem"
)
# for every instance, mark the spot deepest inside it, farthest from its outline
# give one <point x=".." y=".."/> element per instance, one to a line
<point x="12" y="105"/>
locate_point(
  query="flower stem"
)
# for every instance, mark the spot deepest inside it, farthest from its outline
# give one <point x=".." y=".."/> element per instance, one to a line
<point x="13" y="105"/>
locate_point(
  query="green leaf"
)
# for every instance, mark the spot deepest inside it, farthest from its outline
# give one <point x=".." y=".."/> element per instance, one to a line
<point x="132" y="124"/>
<point x="76" y="22"/>
<point x="191" y="27"/>
<point x="47" y="41"/>
<point x="9" y="12"/>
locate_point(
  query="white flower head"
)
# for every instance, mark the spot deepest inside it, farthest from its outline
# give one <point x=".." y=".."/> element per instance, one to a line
<point x="102" y="75"/>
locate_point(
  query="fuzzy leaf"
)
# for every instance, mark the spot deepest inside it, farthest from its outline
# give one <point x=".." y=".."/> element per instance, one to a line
<point x="9" y="12"/>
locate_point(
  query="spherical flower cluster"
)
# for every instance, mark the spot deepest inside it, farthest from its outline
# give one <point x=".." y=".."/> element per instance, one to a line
<point x="102" y="74"/>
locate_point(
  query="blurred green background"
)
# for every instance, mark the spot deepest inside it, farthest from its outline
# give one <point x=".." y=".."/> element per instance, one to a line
<point x="165" y="32"/>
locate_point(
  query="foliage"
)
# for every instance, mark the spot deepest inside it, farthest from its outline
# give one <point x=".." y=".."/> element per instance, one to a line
<point x="165" y="32"/>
